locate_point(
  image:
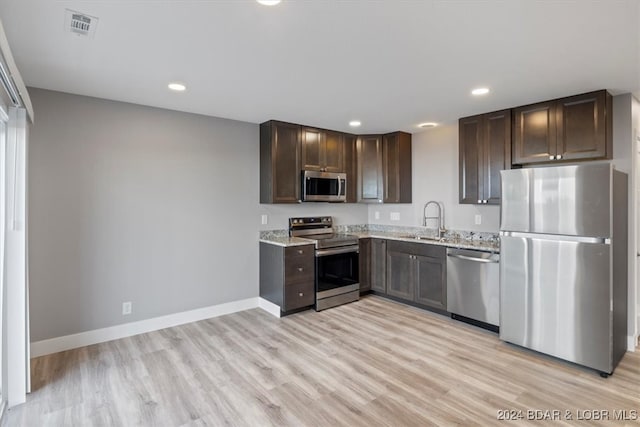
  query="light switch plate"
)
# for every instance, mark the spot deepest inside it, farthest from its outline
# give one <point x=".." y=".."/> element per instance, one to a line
<point x="264" y="219"/>
<point x="376" y="214"/>
<point x="394" y="216"/>
<point x="478" y="219"/>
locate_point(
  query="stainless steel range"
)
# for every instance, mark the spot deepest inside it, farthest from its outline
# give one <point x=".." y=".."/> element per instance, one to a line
<point x="336" y="260"/>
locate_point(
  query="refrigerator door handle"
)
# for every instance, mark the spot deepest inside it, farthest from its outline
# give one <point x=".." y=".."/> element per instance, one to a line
<point x="556" y="237"/>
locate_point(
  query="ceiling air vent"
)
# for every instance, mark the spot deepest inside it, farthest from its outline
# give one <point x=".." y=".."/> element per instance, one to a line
<point x="80" y="23"/>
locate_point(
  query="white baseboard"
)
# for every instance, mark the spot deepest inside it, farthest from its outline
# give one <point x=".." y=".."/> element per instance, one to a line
<point x="631" y="343"/>
<point x="67" y="342"/>
<point x="269" y="307"/>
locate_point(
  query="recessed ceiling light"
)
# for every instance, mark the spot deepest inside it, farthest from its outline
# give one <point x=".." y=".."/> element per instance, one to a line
<point x="354" y="123"/>
<point x="480" y="91"/>
<point x="178" y="87"/>
<point x="427" y="125"/>
<point x="268" y="2"/>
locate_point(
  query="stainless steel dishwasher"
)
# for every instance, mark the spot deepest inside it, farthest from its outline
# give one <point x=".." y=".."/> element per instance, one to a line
<point x="473" y="286"/>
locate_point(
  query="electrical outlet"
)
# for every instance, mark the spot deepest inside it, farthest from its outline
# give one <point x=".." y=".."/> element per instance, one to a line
<point x="264" y="219"/>
<point x="126" y="308"/>
<point x="478" y="219"/>
<point x="376" y="214"/>
<point x="394" y="216"/>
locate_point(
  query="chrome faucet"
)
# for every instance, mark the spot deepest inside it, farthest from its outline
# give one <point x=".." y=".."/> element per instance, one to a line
<point x="440" y="217"/>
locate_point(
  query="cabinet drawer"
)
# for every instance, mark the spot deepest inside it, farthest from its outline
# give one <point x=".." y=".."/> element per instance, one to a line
<point x="306" y="251"/>
<point x="299" y="295"/>
<point x="299" y="270"/>
<point x="299" y="264"/>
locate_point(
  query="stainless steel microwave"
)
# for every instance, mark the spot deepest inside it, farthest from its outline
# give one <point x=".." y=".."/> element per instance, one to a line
<point x="324" y="186"/>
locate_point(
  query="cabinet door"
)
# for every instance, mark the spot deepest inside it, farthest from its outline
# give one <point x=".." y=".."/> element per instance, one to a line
<point x="496" y="153"/>
<point x="396" y="167"/>
<point x="351" y="167"/>
<point x="365" y="264"/>
<point x="370" y="168"/>
<point x="469" y="170"/>
<point x="534" y="136"/>
<point x="391" y="168"/>
<point x="285" y="157"/>
<point x="399" y="274"/>
<point x="581" y="122"/>
<point x="333" y="152"/>
<point x="378" y="265"/>
<point x="430" y="281"/>
<point x="312" y="149"/>
<point x="299" y="295"/>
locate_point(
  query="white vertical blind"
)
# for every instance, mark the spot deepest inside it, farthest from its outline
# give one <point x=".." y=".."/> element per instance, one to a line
<point x="15" y="273"/>
<point x="4" y="119"/>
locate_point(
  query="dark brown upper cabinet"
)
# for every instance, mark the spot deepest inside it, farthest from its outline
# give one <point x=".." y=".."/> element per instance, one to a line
<point x="322" y="150"/>
<point x="378" y="167"/>
<point x="384" y="168"/>
<point x="573" y="128"/>
<point x="279" y="162"/>
<point x="351" y="167"/>
<point x="484" y="150"/>
<point x="396" y="167"/>
<point x="369" y="154"/>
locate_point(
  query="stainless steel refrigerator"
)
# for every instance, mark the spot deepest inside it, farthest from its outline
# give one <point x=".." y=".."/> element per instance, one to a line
<point x="563" y="262"/>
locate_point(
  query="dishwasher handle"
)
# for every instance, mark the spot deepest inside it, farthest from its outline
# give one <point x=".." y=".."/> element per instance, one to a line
<point x="474" y="259"/>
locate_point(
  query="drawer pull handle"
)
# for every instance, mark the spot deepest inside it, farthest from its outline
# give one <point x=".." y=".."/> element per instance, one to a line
<point x="300" y="251"/>
<point x="300" y="294"/>
<point x="300" y="269"/>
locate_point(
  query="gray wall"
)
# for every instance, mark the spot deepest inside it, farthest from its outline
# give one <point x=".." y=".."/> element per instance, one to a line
<point x="435" y="177"/>
<point x="131" y="203"/>
<point x="343" y="214"/>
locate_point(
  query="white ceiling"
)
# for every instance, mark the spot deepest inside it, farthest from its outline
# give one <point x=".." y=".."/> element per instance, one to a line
<point x="391" y="64"/>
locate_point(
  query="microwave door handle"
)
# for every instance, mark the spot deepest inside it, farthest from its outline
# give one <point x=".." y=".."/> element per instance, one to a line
<point x="339" y="186"/>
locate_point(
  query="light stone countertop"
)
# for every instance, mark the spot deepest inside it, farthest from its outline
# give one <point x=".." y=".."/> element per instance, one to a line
<point x="480" y="245"/>
<point x="454" y="240"/>
<point x="286" y="241"/>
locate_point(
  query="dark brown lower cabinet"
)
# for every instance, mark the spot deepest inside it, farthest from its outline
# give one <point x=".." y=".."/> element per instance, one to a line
<point x="430" y="279"/>
<point x="378" y="267"/>
<point x="399" y="274"/>
<point x="287" y="276"/>
<point x="416" y="272"/>
<point x="364" y="264"/>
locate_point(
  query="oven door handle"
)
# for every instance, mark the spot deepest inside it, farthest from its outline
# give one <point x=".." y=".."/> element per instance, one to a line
<point x="336" y="251"/>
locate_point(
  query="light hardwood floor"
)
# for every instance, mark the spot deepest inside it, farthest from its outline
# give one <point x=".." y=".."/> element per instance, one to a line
<point x="369" y="363"/>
